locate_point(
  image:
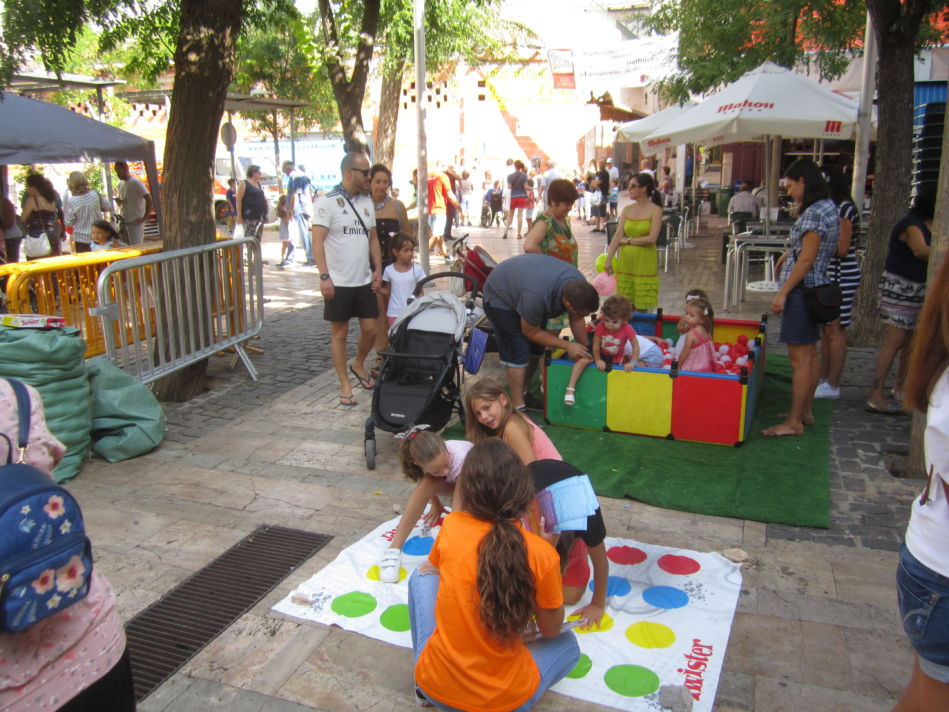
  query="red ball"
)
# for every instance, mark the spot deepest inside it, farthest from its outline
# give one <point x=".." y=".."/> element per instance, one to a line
<point x="743" y="340"/>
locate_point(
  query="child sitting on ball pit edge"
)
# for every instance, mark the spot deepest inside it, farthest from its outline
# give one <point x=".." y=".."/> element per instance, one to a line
<point x="610" y="337"/>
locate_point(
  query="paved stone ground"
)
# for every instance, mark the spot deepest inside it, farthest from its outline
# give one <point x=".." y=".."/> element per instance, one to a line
<point x="816" y="626"/>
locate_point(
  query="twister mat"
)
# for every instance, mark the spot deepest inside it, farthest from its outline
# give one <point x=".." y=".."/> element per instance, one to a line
<point x="667" y="621"/>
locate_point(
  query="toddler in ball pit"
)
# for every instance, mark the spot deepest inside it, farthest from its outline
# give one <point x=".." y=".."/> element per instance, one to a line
<point x="610" y="338"/>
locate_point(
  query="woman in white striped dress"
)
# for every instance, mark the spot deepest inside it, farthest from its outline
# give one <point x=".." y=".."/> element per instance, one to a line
<point x="83" y="207"/>
<point x="845" y="270"/>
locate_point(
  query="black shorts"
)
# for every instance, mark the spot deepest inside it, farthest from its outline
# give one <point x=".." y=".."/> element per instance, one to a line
<point x="351" y="302"/>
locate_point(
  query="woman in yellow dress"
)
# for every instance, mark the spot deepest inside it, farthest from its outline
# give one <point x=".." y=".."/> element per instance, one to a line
<point x="632" y="254"/>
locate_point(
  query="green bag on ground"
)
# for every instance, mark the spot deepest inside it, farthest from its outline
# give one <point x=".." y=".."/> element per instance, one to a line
<point x="127" y="420"/>
<point x="52" y="361"/>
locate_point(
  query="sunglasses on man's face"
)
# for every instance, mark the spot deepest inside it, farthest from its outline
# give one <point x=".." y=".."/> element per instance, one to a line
<point x="364" y="171"/>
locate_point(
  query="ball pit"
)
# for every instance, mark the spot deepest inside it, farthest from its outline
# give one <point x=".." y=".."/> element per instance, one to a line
<point x="713" y="407"/>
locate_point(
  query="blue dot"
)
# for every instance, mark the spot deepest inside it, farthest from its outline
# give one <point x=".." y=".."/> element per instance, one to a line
<point x="615" y="586"/>
<point x="665" y="597"/>
<point x="418" y="546"/>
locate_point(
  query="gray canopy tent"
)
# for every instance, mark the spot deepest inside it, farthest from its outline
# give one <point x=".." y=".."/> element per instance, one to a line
<point x="40" y="132"/>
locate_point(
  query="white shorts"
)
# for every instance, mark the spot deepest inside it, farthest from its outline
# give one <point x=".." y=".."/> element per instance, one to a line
<point x="436" y="224"/>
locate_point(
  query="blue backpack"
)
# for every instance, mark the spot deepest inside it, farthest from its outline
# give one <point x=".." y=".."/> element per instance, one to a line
<point x="45" y="555"/>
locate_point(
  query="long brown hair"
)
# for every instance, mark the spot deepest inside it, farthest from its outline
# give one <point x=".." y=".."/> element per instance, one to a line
<point x="419" y="449"/>
<point x="490" y="390"/>
<point x="929" y="351"/>
<point x="497" y="487"/>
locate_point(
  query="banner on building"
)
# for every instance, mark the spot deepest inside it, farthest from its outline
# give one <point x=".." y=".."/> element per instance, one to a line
<point x="633" y="63"/>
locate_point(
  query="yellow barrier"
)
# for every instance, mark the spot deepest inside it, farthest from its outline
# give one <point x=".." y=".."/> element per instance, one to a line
<point x="66" y="286"/>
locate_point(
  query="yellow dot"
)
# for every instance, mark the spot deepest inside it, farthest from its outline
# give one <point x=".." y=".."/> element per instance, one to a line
<point x="373" y="573"/>
<point x="647" y="634"/>
<point x="606" y="622"/>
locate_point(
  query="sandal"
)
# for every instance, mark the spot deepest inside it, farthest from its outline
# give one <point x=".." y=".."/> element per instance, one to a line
<point x="569" y="398"/>
<point x="891" y="408"/>
<point x="390" y="566"/>
<point x="364" y="381"/>
<point x="348" y="401"/>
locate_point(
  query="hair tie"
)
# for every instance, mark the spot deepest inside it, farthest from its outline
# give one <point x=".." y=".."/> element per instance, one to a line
<point x="412" y="432"/>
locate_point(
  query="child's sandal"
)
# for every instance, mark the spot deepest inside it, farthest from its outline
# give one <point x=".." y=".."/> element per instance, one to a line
<point x="569" y="398"/>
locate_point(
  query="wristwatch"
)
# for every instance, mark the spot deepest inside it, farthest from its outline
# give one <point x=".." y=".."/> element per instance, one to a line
<point x="324" y="277"/>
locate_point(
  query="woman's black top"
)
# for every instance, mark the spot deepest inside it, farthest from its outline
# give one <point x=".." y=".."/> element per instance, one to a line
<point x="385" y="228"/>
<point x="254" y="202"/>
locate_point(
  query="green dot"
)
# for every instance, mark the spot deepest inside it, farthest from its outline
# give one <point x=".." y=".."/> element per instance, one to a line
<point x="354" y="604"/>
<point x="631" y="680"/>
<point x="582" y="667"/>
<point x="395" y="618"/>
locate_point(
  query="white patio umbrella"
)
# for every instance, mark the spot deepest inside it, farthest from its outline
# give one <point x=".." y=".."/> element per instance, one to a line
<point x="638" y="129"/>
<point x="769" y="100"/>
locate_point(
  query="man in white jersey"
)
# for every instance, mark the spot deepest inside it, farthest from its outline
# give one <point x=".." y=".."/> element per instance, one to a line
<point x="347" y="255"/>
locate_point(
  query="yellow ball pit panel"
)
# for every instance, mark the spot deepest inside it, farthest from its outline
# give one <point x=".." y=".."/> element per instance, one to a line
<point x="639" y="402"/>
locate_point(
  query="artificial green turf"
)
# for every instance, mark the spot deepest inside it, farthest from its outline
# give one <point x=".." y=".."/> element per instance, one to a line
<point x="783" y="480"/>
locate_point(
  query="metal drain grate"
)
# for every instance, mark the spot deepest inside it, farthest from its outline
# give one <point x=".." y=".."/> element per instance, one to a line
<point x="172" y="630"/>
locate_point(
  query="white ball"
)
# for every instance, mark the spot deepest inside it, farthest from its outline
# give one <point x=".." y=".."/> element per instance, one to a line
<point x="723" y="349"/>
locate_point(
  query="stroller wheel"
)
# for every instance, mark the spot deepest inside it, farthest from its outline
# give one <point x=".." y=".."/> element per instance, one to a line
<point x="370" y="447"/>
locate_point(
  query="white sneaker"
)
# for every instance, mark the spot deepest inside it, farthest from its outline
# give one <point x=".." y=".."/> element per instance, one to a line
<point x="390" y="566"/>
<point x="825" y="390"/>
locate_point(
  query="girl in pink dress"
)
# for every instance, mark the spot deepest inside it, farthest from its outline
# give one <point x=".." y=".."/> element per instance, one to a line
<point x="698" y="353"/>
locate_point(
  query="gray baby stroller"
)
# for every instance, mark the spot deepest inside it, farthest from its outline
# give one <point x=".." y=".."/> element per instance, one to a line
<point x="419" y="379"/>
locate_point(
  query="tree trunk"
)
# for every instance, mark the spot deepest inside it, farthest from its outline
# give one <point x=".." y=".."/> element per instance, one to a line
<point x="389" y="97"/>
<point x="204" y="63"/>
<point x="350" y="116"/>
<point x="937" y="253"/>
<point x="897" y="32"/>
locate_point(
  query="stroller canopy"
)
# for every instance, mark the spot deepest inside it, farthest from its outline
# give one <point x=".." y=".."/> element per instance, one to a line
<point x="441" y="312"/>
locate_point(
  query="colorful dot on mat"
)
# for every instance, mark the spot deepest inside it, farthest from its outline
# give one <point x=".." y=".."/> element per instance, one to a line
<point x="373" y="573"/>
<point x="606" y="623"/>
<point x="681" y="565"/>
<point x="583" y="666"/>
<point x="395" y="618"/>
<point x="665" y="597"/>
<point x="615" y="586"/>
<point x="631" y="680"/>
<point x="418" y="545"/>
<point x="647" y="634"/>
<point x="354" y="604"/>
<point x="626" y="555"/>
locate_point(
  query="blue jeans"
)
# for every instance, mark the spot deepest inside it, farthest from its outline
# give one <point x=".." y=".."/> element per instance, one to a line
<point x="923" y="597"/>
<point x="554" y="657"/>
<point x="302" y="224"/>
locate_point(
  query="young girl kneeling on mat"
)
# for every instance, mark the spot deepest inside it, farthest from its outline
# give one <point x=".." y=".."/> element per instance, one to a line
<point x="490" y="415"/>
<point x="435" y="465"/>
<point x="485" y="579"/>
<point x="698" y="354"/>
<point x="610" y="338"/>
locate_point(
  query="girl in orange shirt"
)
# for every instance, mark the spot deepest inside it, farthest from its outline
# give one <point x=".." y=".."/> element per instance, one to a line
<point x="486" y="578"/>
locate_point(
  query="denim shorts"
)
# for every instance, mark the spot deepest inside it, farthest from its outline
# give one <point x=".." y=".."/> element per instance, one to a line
<point x="514" y="349"/>
<point x="924" y="607"/>
<point x="797" y="327"/>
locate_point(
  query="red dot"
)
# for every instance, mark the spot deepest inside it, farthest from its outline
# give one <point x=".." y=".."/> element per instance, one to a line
<point x="626" y="555"/>
<point x="681" y="565"/>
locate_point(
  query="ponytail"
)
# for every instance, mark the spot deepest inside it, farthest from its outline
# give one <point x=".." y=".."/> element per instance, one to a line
<point x="497" y="487"/>
<point x="648" y="183"/>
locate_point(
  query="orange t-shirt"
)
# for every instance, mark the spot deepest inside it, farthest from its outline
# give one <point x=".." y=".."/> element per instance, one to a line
<point x="439" y="186"/>
<point x="463" y="665"/>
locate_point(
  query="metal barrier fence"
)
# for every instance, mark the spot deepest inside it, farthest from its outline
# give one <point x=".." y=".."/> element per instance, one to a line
<point x="165" y="311"/>
<point x="65" y="286"/>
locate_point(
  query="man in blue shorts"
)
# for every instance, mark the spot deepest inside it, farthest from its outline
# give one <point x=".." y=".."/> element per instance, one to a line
<point x="347" y="254"/>
<point x="520" y="295"/>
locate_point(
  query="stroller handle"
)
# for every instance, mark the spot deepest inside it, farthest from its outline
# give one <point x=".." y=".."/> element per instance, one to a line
<point x="469" y="280"/>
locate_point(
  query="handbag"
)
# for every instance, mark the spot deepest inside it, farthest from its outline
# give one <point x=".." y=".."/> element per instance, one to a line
<point x="45" y="555"/>
<point x="823" y="302"/>
<point x="37" y="242"/>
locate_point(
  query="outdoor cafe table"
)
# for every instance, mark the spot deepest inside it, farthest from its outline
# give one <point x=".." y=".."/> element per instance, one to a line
<point x="740" y="247"/>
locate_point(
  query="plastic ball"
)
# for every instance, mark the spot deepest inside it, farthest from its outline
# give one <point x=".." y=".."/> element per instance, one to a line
<point x="741" y="360"/>
<point x="743" y="340"/>
<point x="718" y="345"/>
<point x="723" y="349"/>
<point x="600" y="263"/>
<point x="670" y="343"/>
<point x="726" y="358"/>
<point x="604" y="284"/>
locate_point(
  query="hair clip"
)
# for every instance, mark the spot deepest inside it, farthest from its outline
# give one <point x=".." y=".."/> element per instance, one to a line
<point x="412" y="432"/>
<point x="690" y="297"/>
